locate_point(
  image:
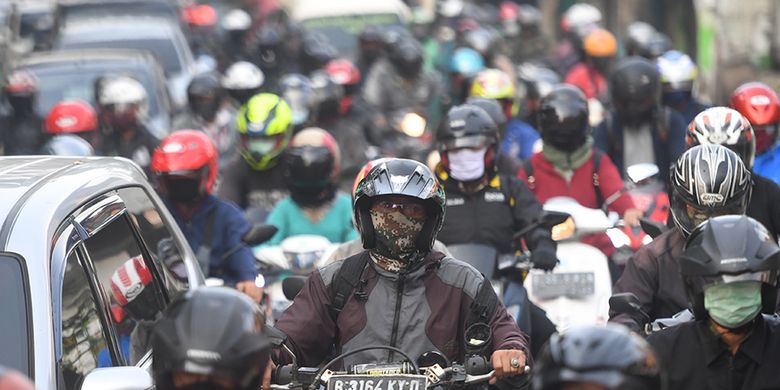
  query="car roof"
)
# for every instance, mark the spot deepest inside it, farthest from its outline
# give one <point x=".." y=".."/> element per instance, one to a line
<point x="309" y="9"/>
<point x="76" y="56"/>
<point x="120" y="27"/>
<point x="47" y="189"/>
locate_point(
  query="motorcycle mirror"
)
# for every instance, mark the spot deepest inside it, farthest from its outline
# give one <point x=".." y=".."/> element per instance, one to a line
<point x="626" y="303"/>
<point x="259" y="234"/>
<point x="638" y="173"/>
<point x="431" y="358"/>
<point x="292" y="285"/>
<point x="652" y="228"/>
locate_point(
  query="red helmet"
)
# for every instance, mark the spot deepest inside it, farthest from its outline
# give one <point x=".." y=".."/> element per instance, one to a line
<point x="343" y="71"/>
<point x="186" y="156"/>
<point x="21" y="82"/>
<point x="760" y="105"/>
<point x="71" y="116"/>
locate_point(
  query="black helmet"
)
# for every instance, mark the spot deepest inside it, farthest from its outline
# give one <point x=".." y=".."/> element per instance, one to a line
<point x="563" y="118"/>
<point x="316" y="52"/>
<point x="214" y="331"/>
<point x="327" y="95"/>
<point x="313" y="159"/>
<point x="371" y="44"/>
<point x="658" y="44"/>
<point x="68" y="145"/>
<point x="296" y="90"/>
<point x="610" y="356"/>
<point x="494" y="109"/>
<point x="467" y="126"/>
<point x="269" y="47"/>
<point x="205" y="94"/>
<point x="400" y="177"/>
<point x="727" y="249"/>
<point x="708" y="180"/>
<point x="406" y="55"/>
<point x="635" y="85"/>
<point x="638" y="34"/>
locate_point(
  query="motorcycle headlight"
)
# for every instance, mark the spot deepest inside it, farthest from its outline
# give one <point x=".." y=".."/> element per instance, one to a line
<point x="563" y="230"/>
<point x="413" y="125"/>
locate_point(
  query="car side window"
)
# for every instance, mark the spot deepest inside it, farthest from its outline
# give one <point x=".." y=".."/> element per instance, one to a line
<point x="167" y="255"/>
<point x="84" y="344"/>
<point x="130" y="282"/>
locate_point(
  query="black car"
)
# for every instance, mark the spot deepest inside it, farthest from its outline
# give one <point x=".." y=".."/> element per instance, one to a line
<point x="73" y="75"/>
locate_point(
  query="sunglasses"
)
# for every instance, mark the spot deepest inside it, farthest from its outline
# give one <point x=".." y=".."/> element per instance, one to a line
<point x="413" y="210"/>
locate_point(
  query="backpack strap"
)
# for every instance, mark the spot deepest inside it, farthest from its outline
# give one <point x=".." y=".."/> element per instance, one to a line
<point x="204" y="252"/>
<point x="345" y="281"/>
<point x="596" y="184"/>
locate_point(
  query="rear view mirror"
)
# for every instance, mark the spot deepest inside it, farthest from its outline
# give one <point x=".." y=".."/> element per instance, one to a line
<point x="640" y="172"/>
<point x="652" y="228"/>
<point x="118" y="378"/>
<point x="259" y="234"/>
<point x="626" y="303"/>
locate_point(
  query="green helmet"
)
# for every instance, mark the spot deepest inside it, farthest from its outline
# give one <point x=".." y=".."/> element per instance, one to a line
<point x="265" y="126"/>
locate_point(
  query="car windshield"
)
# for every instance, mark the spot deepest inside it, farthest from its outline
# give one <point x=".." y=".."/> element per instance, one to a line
<point x="342" y="31"/>
<point x="57" y="84"/>
<point x="14" y="304"/>
<point x="163" y="49"/>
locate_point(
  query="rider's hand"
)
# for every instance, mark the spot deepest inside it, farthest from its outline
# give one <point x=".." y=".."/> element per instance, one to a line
<point x="249" y="287"/>
<point x="544" y="258"/>
<point x="631" y="217"/>
<point x="502" y="363"/>
<point x="267" y="374"/>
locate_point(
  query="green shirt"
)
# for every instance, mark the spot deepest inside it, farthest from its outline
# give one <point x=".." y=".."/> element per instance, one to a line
<point x="335" y="225"/>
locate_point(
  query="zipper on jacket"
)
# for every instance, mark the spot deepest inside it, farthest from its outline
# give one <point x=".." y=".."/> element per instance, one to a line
<point x="397" y="315"/>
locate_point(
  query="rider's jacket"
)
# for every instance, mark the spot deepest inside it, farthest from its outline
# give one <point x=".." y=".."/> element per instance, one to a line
<point x="695" y="358"/>
<point x="588" y="79"/>
<point x="249" y="188"/>
<point x="388" y="92"/>
<point x="767" y="164"/>
<point x="139" y="148"/>
<point x="519" y="140"/>
<point x="764" y="206"/>
<point x="418" y="310"/>
<point x="228" y="225"/>
<point x="22" y="135"/>
<point x="653" y="275"/>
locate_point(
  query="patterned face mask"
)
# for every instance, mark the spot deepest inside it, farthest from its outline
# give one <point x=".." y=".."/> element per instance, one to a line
<point x="396" y="232"/>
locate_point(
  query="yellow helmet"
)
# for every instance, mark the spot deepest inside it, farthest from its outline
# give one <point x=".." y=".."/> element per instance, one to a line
<point x="496" y="84"/>
<point x="265" y="126"/>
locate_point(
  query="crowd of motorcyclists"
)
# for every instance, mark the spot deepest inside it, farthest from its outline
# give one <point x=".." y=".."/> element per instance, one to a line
<point x="454" y="131"/>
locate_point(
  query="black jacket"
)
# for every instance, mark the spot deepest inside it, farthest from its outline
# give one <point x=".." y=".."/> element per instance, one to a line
<point x="492" y="215"/>
<point x="765" y="204"/>
<point x="695" y="358"/>
<point x="249" y="188"/>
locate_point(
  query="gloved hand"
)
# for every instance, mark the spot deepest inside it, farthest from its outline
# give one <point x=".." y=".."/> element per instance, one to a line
<point x="543" y="257"/>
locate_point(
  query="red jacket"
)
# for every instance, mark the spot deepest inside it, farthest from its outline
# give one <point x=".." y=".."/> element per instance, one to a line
<point x="549" y="183"/>
<point x="588" y="79"/>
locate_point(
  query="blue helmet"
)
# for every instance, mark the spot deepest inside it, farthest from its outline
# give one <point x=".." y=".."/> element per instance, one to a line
<point x="466" y="61"/>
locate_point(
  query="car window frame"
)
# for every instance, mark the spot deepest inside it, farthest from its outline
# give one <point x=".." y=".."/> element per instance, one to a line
<point x="28" y="310"/>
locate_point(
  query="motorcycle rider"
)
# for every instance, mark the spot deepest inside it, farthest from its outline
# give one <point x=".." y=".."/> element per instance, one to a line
<point x="296" y="90"/>
<point x="75" y="117"/>
<point x="185" y="171"/>
<point x="569" y="165"/>
<point x="761" y="106"/>
<point x="211" y="321"/>
<point x="314" y="206"/>
<point x="255" y="180"/>
<point x="241" y="81"/>
<point x="598" y="357"/>
<point x="599" y="48"/>
<point x="639" y="129"/>
<point x="399" y="208"/>
<point x="727" y="127"/>
<point x="730" y="268"/>
<point x="22" y="128"/>
<point x="520" y="136"/>
<point x="505" y="163"/>
<point x="122" y="109"/>
<point x="465" y="63"/>
<point x="678" y="73"/>
<point x="708" y="180"/>
<point x="208" y="113"/>
<point x="371" y="47"/>
<point x="576" y="22"/>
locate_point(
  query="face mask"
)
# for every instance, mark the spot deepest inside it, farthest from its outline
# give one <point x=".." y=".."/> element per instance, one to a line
<point x="395" y="233"/>
<point x="183" y="190"/>
<point x="733" y="304"/>
<point x="765" y="137"/>
<point x="261" y="146"/>
<point x="467" y="164"/>
<point x="676" y="99"/>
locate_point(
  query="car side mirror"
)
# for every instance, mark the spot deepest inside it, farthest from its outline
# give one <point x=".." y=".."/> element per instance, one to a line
<point x="638" y="173"/>
<point x="292" y="285"/>
<point x="118" y="378"/>
<point x="259" y="234"/>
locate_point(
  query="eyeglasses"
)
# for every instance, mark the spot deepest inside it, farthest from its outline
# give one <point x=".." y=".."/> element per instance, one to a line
<point x="414" y="210"/>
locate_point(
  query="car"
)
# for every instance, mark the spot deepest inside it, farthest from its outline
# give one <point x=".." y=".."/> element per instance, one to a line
<point x="160" y="36"/>
<point x="81" y="239"/>
<point x="73" y="74"/>
<point x="74" y="10"/>
<point x="342" y="21"/>
<point x="32" y="25"/>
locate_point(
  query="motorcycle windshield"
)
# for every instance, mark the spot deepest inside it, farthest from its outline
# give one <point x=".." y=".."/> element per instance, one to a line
<point x="482" y="257"/>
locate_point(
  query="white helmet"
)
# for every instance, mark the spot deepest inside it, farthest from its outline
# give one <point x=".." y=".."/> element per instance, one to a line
<point x="243" y="75"/>
<point x="580" y="18"/>
<point x="123" y="92"/>
<point x="237" y="20"/>
<point x="677" y="70"/>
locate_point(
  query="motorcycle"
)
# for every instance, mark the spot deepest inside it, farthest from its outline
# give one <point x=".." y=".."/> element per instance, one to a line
<point x="410" y="136"/>
<point x="649" y="195"/>
<point x="628" y="303"/>
<point x="576" y="292"/>
<point x="296" y="255"/>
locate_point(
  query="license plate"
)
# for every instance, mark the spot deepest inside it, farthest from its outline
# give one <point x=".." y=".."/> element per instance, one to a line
<point x="377" y="382"/>
<point x="566" y="284"/>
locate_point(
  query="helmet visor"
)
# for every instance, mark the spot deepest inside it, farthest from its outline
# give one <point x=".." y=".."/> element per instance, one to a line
<point x="471" y="141"/>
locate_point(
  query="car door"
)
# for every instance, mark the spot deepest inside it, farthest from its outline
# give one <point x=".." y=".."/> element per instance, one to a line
<point x="111" y="288"/>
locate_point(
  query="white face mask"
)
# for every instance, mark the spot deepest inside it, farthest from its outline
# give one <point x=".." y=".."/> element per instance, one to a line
<point x="467" y="164"/>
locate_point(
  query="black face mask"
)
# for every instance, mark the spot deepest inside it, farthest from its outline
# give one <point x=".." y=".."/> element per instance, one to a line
<point x="183" y="190"/>
<point x="312" y="196"/>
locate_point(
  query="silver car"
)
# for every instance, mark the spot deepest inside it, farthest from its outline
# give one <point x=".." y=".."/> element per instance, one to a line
<point x="89" y="258"/>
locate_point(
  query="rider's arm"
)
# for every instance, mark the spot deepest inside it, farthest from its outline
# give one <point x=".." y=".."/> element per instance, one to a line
<point x="610" y="183"/>
<point x="277" y="217"/>
<point x="525" y="211"/>
<point x="640" y="277"/>
<point x="308" y="325"/>
<point x="241" y="263"/>
<point x="230" y="187"/>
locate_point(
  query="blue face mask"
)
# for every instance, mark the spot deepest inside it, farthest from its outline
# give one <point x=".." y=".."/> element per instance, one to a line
<point x="676" y="99"/>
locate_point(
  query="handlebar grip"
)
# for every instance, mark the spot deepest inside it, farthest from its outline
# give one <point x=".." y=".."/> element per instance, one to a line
<point x="282" y="375"/>
<point x="477" y="365"/>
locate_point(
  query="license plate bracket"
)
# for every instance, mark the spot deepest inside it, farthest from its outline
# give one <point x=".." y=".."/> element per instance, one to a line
<point x="564" y="284"/>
